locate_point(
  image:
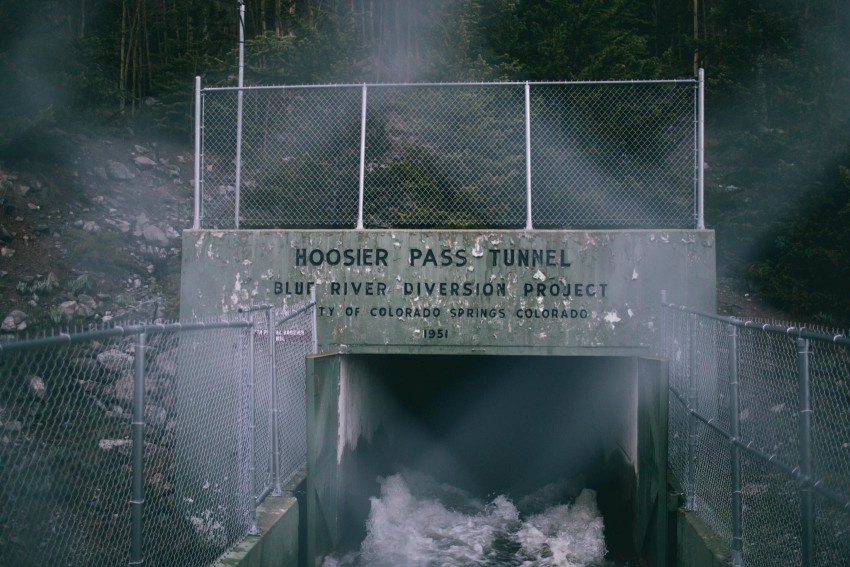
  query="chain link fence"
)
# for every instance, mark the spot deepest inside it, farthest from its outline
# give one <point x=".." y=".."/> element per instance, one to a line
<point x="495" y="155"/>
<point x="759" y="435"/>
<point x="148" y="443"/>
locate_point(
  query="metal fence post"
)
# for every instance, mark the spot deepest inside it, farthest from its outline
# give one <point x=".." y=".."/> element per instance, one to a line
<point x="137" y="500"/>
<point x="313" y="322"/>
<point x="276" y="490"/>
<point x="807" y="508"/>
<point x="362" y="183"/>
<point x="196" y="223"/>
<point x="239" y="98"/>
<point x="690" y="489"/>
<point x="252" y="431"/>
<point x="701" y="151"/>
<point x="662" y="343"/>
<point x="529" y="225"/>
<point x="735" y="457"/>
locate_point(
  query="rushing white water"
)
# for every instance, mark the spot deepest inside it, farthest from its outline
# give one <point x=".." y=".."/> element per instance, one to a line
<point x="417" y="522"/>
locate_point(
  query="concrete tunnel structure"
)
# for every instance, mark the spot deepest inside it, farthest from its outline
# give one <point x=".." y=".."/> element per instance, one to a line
<point x="497" y="361"/>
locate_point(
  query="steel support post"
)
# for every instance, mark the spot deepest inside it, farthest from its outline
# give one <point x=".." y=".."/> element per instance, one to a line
<point x="196" y="223"/>
<point x="735" y="457"/>
<point x="807" y="504"/>
<point x="529" y="225"/>
<point x="701" y="151"/>
<point x="252" y="432"/>
<point x="362" y="184"/>
<point x="137" y="500"/>
<point x="690" y="489"/>
<point x="276" y="487"/>
<point x="239" y="97"/>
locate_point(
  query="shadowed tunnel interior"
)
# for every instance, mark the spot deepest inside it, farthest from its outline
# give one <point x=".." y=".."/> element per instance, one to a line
<point x="491" y="425"/>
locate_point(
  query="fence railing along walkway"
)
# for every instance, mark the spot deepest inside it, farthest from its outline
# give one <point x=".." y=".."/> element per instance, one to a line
<point x="759" y="435"/>
<point x="148" y="443"/>
<point x="612" y="154"/>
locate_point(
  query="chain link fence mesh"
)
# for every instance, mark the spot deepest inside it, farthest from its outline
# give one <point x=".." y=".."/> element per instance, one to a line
<point x="771" y="444"/>
<point x="294" y="341"/>
<point x="614" y="155"/>
<point x="66" y="439"/>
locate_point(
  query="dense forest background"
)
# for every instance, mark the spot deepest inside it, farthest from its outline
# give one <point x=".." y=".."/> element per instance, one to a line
<point x="778" y="93"/>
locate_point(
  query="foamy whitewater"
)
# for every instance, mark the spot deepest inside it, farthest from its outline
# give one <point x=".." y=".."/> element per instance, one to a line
<point x="418" y="522"/>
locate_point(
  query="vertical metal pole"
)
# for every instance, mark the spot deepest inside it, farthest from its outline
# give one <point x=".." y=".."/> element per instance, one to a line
<point x="701" y="153"/>
<point x="662" y="344"/>
<point x="137" y="500"/>
<point x="362" y="183"/>
<point x="276" y="488"/>
<point x="690" y="489"/>
<point x="240" y="84"/>
<point x="735" y="433"/>
<point x="313" y="321"/>
<point x="807" y="504"/>
<point x="252" y="432"/>
<point x="196" y="223"/>
<point x="528" y="221"/>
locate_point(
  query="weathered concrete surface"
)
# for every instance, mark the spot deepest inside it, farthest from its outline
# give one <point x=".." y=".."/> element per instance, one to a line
<point x="277" y="544"/>
<point x="537" y="292"/>
<point x="696" y="544"/>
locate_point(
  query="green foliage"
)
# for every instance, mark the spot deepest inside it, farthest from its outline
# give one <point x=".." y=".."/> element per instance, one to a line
<point x="809" y="267"/>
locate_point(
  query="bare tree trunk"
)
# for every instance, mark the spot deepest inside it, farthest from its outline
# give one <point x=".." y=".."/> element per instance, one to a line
<point x="696" y="37"/>
<point x="82" y="34"/>
<point x="122" y="61"/>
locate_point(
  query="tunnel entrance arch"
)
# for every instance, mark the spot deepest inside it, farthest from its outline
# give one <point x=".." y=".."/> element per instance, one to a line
<point x="561" y="324"/>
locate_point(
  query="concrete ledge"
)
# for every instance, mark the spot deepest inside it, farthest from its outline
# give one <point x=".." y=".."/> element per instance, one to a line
<point x="278" y="543"/>
<point x="696" y="544"/>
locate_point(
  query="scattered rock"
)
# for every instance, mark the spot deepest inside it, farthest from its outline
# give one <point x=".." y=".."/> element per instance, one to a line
<point x="124" y="386"/>
<point x="71" y="309"/>
<point x="109" y="444"/>
<point x="115" y="360"/>
<point x="121" y="225"/>
<point x="15" y="321"/>
<point x="154" y="234"/>
<point x="37" y="387"/>
<point x="144" y="161"/>
<point x="155" y="416"/>
<point x="117" y="170"/>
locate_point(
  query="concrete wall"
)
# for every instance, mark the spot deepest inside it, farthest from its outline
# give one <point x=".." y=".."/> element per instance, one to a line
<point x="539" y="292"/>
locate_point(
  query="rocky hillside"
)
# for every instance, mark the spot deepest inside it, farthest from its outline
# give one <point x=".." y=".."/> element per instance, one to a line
<point x="90" y="229"/>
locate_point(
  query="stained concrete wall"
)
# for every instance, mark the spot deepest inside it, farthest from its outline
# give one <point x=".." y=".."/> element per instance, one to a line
<point x="537" y="292"/>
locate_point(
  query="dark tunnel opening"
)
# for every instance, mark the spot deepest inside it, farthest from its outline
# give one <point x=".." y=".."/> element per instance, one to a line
<point x="491" y="425"/>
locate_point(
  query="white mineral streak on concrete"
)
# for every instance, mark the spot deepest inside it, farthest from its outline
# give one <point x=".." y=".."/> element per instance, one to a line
<point x="360" y="411"/>
<point x="477" y="250"/>
<point x="237" y="288"/>
<point x="634" y="274"/>
<point x="199" y="244"/>
<point x="612" y="317"/>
